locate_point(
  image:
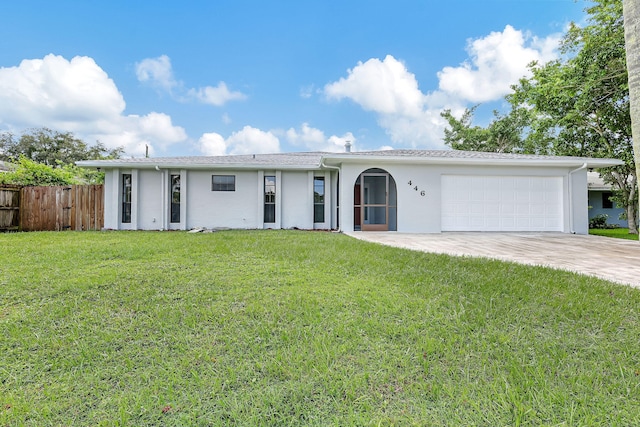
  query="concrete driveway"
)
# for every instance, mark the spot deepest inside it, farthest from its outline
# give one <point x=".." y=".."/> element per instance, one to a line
<point x="616" y="260"/>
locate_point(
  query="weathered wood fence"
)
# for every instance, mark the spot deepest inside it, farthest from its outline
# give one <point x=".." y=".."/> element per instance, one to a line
<point x="54" y="208"/>
<point x="9" y="207"/>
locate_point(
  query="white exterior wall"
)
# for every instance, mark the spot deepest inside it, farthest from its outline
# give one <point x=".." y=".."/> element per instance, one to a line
<point x="244" y="207"/>
<point x="233" y="209"/>
<point x="577" y="187"/>
<point x="296" y="199"/>
<point x="152" y="194"/>
<point x="422" y="214"/>
<point x="111" y="199"/>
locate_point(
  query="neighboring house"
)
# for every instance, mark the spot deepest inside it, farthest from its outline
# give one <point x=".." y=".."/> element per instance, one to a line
<point x="415" y="191"/>
<point x="4" y="166"/>
<point x="600" y="203"/>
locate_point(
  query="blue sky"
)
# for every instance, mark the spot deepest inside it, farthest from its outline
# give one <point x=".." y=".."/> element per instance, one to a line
<point x="226" y="77"/>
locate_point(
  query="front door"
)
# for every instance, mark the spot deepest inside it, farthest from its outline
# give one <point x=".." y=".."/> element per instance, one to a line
<point x="374" y="189"/>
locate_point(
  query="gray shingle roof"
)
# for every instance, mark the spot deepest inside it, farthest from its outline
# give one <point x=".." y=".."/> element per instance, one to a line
<point x="314" y="160"/>
<point x="456" y="154"/>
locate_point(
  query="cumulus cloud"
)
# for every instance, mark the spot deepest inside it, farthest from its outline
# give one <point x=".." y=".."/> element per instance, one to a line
<point x="213" y="144"/>
<point x="315" y="140"/>
<point x="390" y="90"/>
<point x="78" y="96"/>
<point x="496" y="62"/>
<point x="216" y="95"/>
<point x="411" y="117"/>
<point x="382" y="86"/>
<point x="248" y="140"/>
<point x="158" y="73"/>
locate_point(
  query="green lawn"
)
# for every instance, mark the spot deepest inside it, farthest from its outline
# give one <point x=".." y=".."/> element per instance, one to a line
<point x="618" y="233"/>
<point x="303" y="328"/>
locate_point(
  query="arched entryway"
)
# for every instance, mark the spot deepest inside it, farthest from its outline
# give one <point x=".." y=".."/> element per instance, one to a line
<point x="375" y="201"/>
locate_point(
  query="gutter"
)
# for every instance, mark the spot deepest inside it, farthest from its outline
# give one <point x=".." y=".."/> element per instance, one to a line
<point x="584" y="166"/>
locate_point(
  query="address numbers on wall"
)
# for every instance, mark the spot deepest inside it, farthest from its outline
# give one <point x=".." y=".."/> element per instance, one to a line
<point x="415" y="187"/>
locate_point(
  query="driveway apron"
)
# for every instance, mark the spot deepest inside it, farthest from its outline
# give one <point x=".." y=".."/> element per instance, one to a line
<point x="617" y="260"/>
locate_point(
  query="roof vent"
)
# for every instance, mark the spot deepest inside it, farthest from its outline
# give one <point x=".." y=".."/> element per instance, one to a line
<point x="347" y="147"/>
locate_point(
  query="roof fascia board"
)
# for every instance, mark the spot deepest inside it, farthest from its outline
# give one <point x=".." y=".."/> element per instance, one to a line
<point x="161" y="165"/>
<point x="560" y="162"/>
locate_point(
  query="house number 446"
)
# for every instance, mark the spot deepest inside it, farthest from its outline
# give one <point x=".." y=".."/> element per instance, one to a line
<point x="415" y="187"/>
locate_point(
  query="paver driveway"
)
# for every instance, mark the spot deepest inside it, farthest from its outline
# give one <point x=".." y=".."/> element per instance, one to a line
<point x="617" y="260"/>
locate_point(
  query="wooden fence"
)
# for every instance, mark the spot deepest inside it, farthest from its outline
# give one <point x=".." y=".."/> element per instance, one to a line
<point x="55" y="208"/>
<point x="9" y="207"/>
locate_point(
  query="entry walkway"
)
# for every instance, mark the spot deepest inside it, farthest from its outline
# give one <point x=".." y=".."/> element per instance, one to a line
<point x="617" y="260"/>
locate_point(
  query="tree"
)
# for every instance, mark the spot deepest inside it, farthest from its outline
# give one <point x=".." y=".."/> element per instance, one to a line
<point x="29" y="172"/>
<point x="580" y="104"/>
<point x="577" y="105"/>
<point x="503" y="135"/>
<point x="49" y="147"/>
<point x="631" y="13"/>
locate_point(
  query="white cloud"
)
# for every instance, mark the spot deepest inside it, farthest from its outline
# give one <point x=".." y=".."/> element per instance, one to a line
<point x="213" y="144"/>
<point x="249" y="140"/>
<point x="307" y="91"/>
<point x="158" y="73"/>
<point x="218" y="95"/>
<point x="385" y="87"/>
<point x="315" y="140"/>
<point x="78" y="96"/>
<point x="390" y="90"/>
<point x="411" y="117"/>
<point x="497" y="61"/>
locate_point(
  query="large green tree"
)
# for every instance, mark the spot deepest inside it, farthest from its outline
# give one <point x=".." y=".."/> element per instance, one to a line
<point x="580" y="103"/>
<point x="631" y="13"/>
<point x="577" y="105"/>
<point x="503" y="135"/>
<point x="50" y="147"/>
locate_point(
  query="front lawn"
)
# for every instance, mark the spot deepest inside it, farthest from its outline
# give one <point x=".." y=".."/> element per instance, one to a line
<point x="618" y="233"/>
<point x="303" y="328"/>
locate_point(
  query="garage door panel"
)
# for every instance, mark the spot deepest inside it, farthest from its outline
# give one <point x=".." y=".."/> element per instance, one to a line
<point x="501" y="203"/>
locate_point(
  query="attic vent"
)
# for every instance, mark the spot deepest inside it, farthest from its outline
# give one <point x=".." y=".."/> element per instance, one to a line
<point x="347" y="147"/>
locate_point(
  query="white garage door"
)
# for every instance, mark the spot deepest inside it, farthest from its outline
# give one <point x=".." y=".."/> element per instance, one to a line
<point x="501" y="203"/>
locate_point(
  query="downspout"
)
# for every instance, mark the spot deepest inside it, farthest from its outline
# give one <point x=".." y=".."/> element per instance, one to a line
<point x="339" y="186"/>
<point x="584" y="166"/>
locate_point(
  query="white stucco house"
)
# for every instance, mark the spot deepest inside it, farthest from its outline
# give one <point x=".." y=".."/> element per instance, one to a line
<point x="417" y="191"/>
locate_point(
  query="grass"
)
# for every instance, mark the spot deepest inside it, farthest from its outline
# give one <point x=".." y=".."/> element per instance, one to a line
<point x="301" y="328"/>
<point x="618" y="233"/>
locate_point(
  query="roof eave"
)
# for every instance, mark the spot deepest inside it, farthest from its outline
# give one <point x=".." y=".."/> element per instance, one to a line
<point x="560" y="162"/>
<point x="97" y="164"/>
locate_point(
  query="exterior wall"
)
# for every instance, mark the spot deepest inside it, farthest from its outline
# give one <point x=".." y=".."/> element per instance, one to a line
<point x="577" y="202"/>
<point x="417" y="211"/>
<point x="233" y="209"/>
<point x="422" y="214"/>
<point x="151" y="199"/>
<point x="595" y="208"/>
<point x="297" y="200"/>
<point x="111" y="180"/>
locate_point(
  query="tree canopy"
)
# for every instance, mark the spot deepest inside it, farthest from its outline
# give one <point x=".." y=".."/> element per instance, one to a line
<point x="577" y="105"/>
<point x="46" y="157"/>
<point x="49" y="147"/>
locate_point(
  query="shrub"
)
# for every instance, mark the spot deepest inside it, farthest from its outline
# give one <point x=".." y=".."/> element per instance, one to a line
<point x="599" y="221"/>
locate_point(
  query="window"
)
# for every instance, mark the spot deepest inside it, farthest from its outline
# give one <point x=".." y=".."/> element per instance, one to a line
<point x="269" y="199"/>
<point x="223" y="183"/>
<point x="318" y="199"/>
<point x="174" y="181"/>
<point x="126" y="198"/>
<point x="606" y="202"/>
